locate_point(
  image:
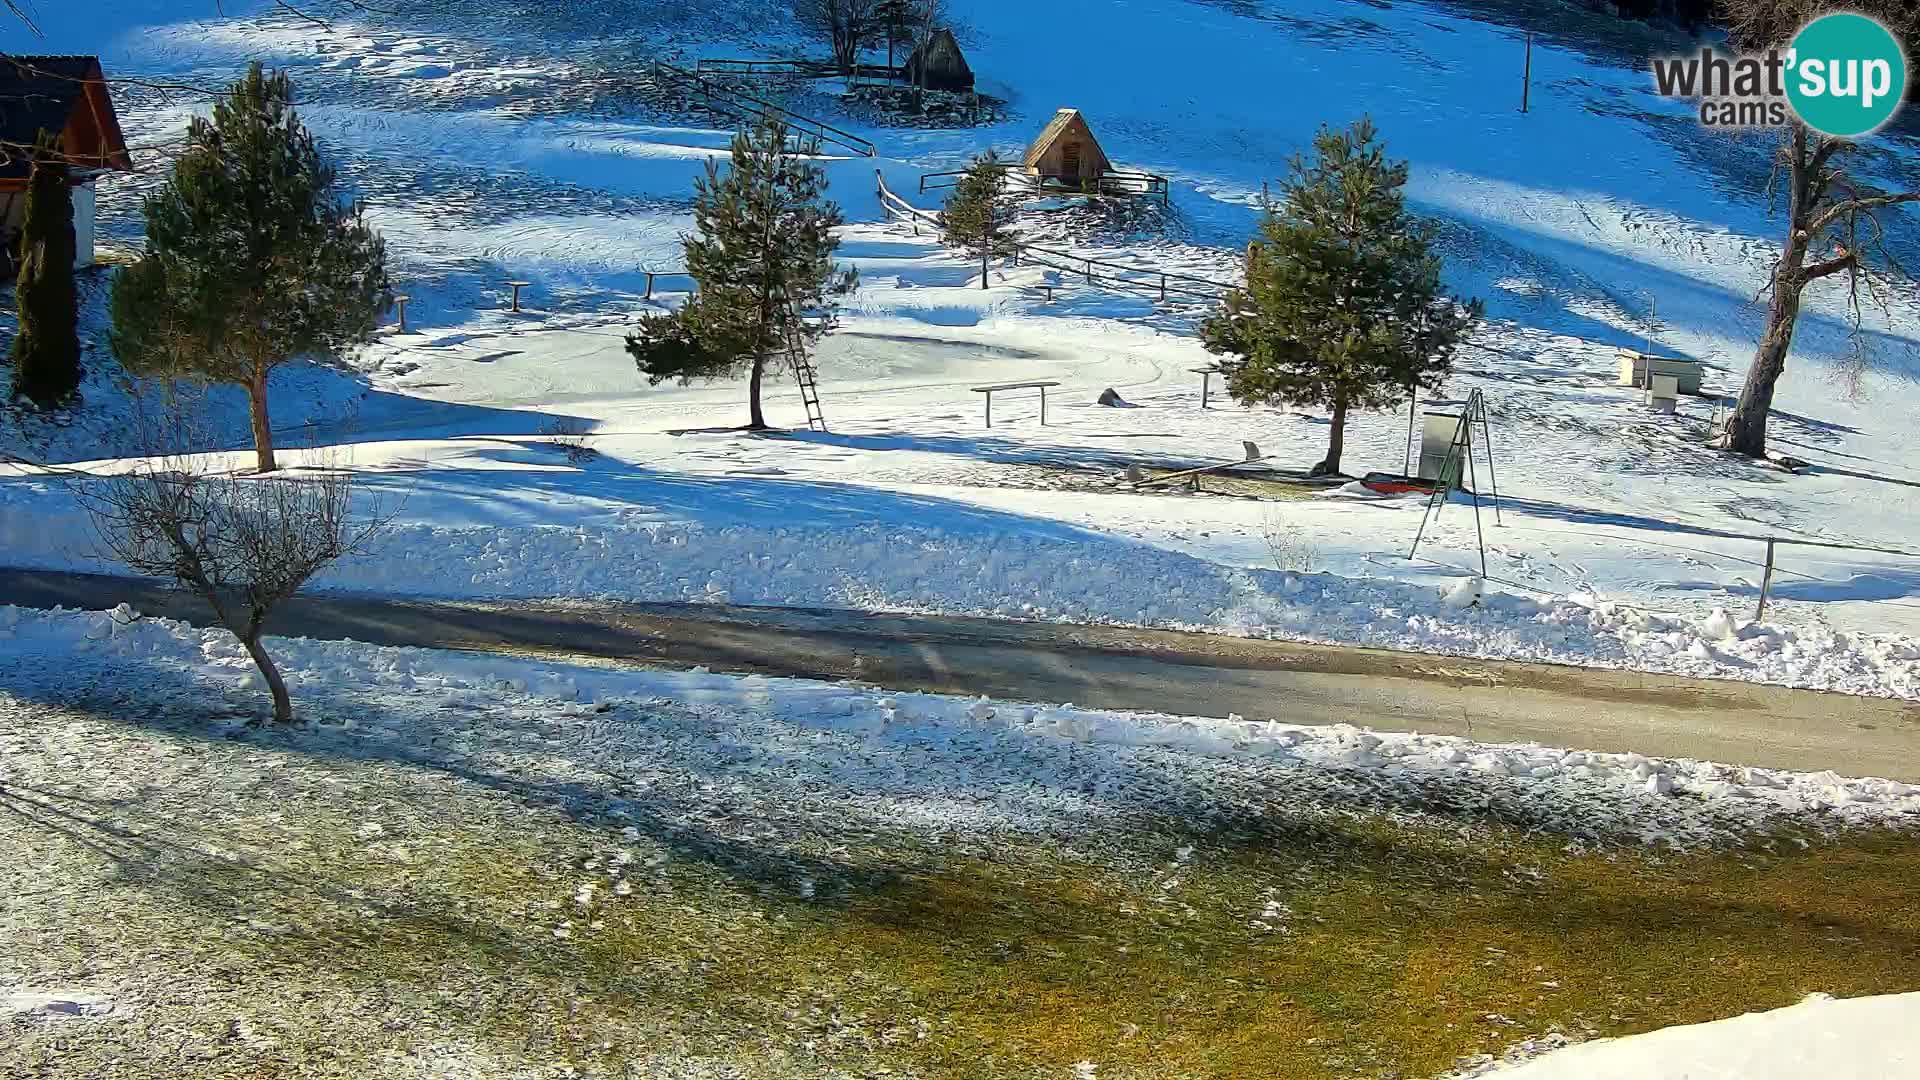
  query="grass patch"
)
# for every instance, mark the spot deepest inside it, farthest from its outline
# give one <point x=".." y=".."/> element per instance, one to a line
<point x="1396" y="957"/>
<point x="267" y="927"/>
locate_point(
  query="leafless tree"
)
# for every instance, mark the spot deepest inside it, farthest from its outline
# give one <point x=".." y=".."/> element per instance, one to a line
<point x="1833" y="226"/>
<point x="243" y="543"/>
<point x="847" y="25"/>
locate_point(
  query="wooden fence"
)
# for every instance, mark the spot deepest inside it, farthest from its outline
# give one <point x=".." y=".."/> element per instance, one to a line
<point x="801" y="69"/>
<point x="1120" y="182"/>
<point x="720" y="98"/>
<point x="1106" y="273"/>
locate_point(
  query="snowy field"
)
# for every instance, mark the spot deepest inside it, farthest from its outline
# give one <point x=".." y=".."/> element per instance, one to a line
<point x="506" y="143"/>
<point x="470" y="866"/>
<point x="467" y="866"/>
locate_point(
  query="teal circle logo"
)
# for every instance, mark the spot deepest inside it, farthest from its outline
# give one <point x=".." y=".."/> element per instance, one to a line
<point x="1847" y="75"/>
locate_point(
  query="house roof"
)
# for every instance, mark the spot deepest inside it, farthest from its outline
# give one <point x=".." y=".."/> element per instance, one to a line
<point x="1055" y="128"/>
<point x="942" y="56"/>
<point x="41" y="93"/>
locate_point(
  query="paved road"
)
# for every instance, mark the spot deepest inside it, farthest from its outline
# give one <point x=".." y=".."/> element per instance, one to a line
<point x="1108" y="667"/>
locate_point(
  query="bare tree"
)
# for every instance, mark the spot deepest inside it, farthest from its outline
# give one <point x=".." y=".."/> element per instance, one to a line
<point x="848" y="25"/>
<point x="243" y="543"/>
<point x="1833" y="226"/>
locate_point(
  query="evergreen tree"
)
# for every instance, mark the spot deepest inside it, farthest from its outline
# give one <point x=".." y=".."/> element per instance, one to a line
<point x="761" y="258"/>
<point x="1343" y="306"/>
<point x="46" y="350"/>
<point x="252" y="258"/>
<point x="979" y="212"/>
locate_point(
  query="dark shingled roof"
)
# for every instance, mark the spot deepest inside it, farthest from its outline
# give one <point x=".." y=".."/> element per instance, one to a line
<point x="945" y="67"/>
<point x="39" y="93"/>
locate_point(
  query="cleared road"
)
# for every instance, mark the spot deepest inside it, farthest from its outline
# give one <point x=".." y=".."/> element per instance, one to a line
<point x="1107" y="667"/>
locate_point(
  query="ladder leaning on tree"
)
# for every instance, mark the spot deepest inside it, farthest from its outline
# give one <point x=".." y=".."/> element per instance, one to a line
<point x="803" y="374"/>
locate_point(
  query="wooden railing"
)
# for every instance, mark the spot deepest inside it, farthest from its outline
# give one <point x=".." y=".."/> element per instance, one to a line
<point x="1119" y="182"/>
<point x="1107" y="273"/>
<point x="805" y="69"/>
<point x="717" y="97"/>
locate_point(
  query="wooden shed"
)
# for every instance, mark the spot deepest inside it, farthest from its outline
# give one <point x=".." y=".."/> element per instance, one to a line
<point x="939" y="65"/>
<point x="64" y="97"/>
<point x="1066" y="151"/>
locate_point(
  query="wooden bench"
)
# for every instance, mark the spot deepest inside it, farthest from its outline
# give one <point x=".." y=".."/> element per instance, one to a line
<point x="1040" y="384"/>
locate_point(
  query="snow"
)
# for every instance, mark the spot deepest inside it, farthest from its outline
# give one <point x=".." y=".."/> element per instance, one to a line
<point x="1677" y="802"/>
<point x="65" y="1004"/>
<point x="492" y="148"/>
<point x="1866" y="1038"/>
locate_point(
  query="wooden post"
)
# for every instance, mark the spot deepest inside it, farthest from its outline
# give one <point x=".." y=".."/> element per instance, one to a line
<point x="400" y="305"/>
<point x="1043" y="406"/>
<point x="517" y="286"/>
<point x="1163" y="288"/>
<point x="989" y="408"/>
<point x="649" y="295"/>
<point x="1089" y="271"/>
<point x="1206" y="382"/>
<point x="1526" y="74"/>
<point x="1766" y="581"/>
<point x="1413" y="402"/>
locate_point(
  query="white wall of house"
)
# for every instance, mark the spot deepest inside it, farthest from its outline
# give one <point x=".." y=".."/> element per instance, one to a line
<point x="83" y="225"/>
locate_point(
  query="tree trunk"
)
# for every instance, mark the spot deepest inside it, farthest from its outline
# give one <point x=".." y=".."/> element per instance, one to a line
<point x="262" y="426"/>
<point x="756" y="420"/>
<point x="1747" y="427"/>
<point x="282" y="704"/>
<point x="1336" y="441"/>
<point x="986" y="249"/>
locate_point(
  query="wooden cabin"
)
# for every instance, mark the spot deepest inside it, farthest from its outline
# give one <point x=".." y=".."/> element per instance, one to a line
<point x="1066" y="151"/>
<point x="66" y="97"/>
<point x="938" y="64"/>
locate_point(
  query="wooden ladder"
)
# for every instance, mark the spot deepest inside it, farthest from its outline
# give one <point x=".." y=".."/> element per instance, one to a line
<point x="803" y="373"/>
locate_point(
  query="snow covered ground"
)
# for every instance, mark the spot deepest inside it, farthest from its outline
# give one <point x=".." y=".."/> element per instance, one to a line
<point x="1872" y="1038"/>
<point x="490" y="148"/>
<point x="1603" y="797"/>
<point x="197" y="894"/>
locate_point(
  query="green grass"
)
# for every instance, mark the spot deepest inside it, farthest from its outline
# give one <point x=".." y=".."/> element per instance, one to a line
<point x="1397" y="946"/>
<point x="915" y="954"/>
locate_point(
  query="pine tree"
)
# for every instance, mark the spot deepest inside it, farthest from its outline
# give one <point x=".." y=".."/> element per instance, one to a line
<point x="1343" y="306"/>
<point x="979" y="213"/>
<point x="46" y="351"/>
<point x="762" y="262"/>
<point x="252" y="257"/>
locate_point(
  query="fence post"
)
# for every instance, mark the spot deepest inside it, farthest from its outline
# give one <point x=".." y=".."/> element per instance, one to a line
<point x="1526" y="74"/>
<point x="1163" y="288"/>
<point x="649" y="295"/>
<point x="1089" y="271"/>
<point x="1766" y="580"/>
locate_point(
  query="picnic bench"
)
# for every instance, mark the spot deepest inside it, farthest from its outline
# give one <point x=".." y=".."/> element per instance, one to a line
<point x="1040" y="384"/>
